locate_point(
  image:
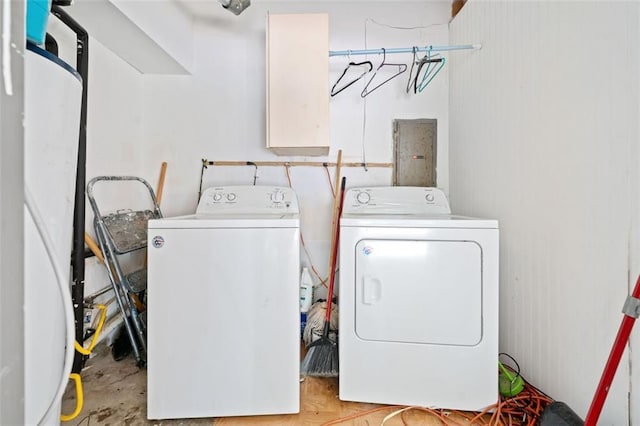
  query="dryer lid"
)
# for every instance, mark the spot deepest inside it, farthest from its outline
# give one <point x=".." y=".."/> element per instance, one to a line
<point x="416" y="221"/>
<point x="406" y="207"/>
<point x="396" y="200"/>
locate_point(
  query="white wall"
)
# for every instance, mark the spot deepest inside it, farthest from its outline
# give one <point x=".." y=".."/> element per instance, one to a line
<point x="115" y="144"/>
<point x="219" y="112"/>
<point x="135" y="121"/>
<point x="544" y="137"/>
<point x="114" y="139"/>
<point x="137" y="32"/>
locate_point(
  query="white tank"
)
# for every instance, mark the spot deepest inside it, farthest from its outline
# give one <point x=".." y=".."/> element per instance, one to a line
<point x="52" y="122"/>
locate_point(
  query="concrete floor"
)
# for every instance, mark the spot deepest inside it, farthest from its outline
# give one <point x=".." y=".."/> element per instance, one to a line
<point x="115" y="393"/>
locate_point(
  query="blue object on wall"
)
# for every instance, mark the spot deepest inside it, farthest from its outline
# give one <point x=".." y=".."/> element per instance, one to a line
<point x="37" y="18"/>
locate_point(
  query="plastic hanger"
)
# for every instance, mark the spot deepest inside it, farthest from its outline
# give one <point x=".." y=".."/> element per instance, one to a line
<point x="412" y="81"/>
<point x="430" y="73"/>
<point x="401" y="68"/>
<point x="351" y="64"/>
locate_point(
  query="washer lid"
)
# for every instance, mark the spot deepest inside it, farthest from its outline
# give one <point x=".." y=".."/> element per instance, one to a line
<point x="267" y="200"/>
<point x="210" y="221"/>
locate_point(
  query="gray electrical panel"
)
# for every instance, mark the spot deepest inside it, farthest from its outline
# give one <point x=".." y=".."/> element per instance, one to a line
<point x="414" y="152"/>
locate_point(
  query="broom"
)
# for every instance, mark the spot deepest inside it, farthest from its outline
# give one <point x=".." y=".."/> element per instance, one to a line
<point x="322" y="355"/>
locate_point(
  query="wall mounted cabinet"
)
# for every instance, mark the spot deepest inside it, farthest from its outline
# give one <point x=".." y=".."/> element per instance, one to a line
<point x="298" y="84"/>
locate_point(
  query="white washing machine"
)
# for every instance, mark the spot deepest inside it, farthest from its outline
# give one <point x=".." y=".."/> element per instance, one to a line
<point x="418" y="301"/>
<point x="223" y="306"/>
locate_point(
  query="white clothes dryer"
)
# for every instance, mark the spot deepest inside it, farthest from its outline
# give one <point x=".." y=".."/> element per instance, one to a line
<point x="223" y="306"/>
<point x="418" y="301"/>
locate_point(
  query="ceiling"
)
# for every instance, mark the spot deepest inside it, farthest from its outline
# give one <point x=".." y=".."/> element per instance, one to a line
<point x="207" y="9"/>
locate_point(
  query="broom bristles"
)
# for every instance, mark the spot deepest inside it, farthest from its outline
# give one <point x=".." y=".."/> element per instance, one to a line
<point x="321" y="359"/>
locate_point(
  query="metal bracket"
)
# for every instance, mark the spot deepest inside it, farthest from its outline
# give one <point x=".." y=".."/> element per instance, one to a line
<point x="631" y="307"/>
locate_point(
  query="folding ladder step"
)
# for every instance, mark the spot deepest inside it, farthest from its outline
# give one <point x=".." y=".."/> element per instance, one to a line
<point x="136" y="281"/>
<point x="128" y="229"/>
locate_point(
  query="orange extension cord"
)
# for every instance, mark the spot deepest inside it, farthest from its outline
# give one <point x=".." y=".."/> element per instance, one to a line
<point x="323" y="281"/>
<point x="521" y="410"/>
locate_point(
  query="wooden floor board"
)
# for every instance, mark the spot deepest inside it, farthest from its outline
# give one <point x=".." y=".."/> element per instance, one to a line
<point x="115" y="394"/>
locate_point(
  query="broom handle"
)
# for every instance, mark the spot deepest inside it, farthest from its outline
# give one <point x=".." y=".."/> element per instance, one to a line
<point x="336" y="202"/>
<point x="334" y="257"/>
<point x="334" y="213"/>
<point x="163" y="173"/>
<point x="94" y="247"/>
<point x="612" y="364"/>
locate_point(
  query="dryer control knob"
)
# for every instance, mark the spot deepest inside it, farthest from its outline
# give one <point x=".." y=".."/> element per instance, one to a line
<point x="277" y="197"/>
<point x="430" y="197"/>
<point x="363" y="197"/>
<point x="217" y="196"/>
<point x="231" y="196"/>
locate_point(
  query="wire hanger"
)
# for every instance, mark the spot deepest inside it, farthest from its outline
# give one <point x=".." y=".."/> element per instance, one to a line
<point x="429" y="73"/>
<point x="351" y="64"/>
<point x="401" y="68"/>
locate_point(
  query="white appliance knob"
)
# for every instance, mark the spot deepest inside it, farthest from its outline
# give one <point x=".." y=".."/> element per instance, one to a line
<point x="430" y="197"/>
<point x="217" y="196"/>
<point x="231" y="196"/>
<point x="363" y="197"/>
<point x="277" y="197"/>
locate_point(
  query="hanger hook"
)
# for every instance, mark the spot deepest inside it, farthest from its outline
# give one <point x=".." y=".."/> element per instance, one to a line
<point x="411" y="81"/>
<point x="255" y="174"/>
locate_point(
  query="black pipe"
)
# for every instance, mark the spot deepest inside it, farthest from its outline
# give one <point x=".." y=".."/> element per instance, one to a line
<point x="51" y="45"/>
<point x="204" y="166"/>
<point x="77" y="256"/>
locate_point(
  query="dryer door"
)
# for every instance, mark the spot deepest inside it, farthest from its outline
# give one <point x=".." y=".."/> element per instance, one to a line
<point x="426" y="292"/>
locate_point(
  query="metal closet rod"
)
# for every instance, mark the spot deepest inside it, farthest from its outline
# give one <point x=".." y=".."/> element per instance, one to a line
<point x="291" y="164"/>
<point x="404" y="50"/>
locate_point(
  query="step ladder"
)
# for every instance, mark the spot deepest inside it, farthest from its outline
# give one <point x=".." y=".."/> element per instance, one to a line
<point x="118" y="233"/>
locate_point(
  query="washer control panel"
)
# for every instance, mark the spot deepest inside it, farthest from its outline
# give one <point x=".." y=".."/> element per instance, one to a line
<point x="248" y="199"/>
<point x="396" y="200"/>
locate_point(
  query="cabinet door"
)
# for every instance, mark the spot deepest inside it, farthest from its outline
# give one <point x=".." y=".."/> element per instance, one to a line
<point x="298" y="84"/>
